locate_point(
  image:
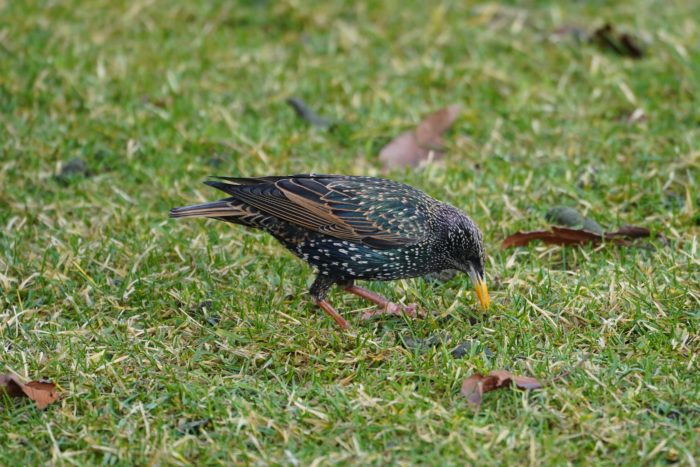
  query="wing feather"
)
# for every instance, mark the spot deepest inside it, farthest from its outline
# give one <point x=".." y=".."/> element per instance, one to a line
<point x="378" y="212"/>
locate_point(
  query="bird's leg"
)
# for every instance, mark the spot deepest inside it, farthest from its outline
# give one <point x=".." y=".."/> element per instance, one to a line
<point x="328" y="308"/>
<point x="385" y="306"/>
<point x="318" y="292"/>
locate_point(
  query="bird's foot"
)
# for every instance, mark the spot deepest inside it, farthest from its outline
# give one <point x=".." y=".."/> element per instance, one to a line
<point x="394" y="309"/>
<point x="385" y="306"/>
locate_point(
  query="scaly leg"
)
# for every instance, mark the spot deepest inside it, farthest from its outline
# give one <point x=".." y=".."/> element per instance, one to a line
<point x="318" y="291"/>
<point x="328" y="308"/>
<point x="385" y="306"/>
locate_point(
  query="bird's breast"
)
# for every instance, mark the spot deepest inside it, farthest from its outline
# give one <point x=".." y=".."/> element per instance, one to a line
<point x="343" y="258"/>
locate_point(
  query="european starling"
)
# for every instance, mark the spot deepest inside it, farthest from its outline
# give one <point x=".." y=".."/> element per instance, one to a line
<point x="351" y="228"/>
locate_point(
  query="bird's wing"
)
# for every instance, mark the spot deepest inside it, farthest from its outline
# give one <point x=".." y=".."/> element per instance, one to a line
<point x="380" y="213"/>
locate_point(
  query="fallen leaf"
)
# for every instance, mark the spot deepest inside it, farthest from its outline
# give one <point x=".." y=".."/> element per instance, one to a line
<point x="11" y="385"/>
<point x="623" y="44"/>
<point x="526" y="382"/>
<point x="305" y="113"/>
<point x="566" y="236"/>
<point x="42" y="393"/>
<point x="556" y="236"/>
<point x="403" y="151"/>
<point x="414" y="147"/>
<point x="473" y="389"/>
<point x="475" y="386"/>
<point x="429" y="131"/>
<point x="630" y="231"/>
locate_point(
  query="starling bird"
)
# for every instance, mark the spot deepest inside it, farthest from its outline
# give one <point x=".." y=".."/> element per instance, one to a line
<point x="353" y="228"/>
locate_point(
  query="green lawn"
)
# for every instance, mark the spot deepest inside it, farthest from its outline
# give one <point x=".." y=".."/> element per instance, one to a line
<point x="193" y="342"/>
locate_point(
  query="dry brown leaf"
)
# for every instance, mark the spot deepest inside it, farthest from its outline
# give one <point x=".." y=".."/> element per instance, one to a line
<point x="11" y="385"/>
<point x="556" y="236"/>
<point x="474" y="387"/>
<point x="429" y="131"/>
<point x="42" y="393"/>
<point x="630" y="231"/>
<point x="413" y="147"/>
<point x="566" y="236"/>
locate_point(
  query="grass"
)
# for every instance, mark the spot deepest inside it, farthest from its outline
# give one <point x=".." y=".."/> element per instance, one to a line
<point x="151" y="327"/>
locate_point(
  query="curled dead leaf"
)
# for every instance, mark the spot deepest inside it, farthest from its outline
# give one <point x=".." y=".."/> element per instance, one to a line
<point x="473" y="389"/>
<point x="43" y="393"/>
<point x="429" y="131"/>
<point x="556" y="236"/>
<point x="566" y="236"/>
<point x="411" y="148"/>
<point x="10" y="385"/>
<point x="475" y="386"/>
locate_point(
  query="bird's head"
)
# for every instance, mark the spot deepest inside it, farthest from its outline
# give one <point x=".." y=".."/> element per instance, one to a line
<point x="466" y="254"/>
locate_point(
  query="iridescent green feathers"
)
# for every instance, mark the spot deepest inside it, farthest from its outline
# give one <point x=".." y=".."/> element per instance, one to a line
<point x="377" y="212"/>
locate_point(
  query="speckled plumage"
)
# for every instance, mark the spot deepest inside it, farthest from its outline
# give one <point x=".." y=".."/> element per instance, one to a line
<point x="350" y="227"/>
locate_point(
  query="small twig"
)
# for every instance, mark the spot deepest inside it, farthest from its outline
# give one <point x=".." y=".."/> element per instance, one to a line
<point x="305" y="113"/>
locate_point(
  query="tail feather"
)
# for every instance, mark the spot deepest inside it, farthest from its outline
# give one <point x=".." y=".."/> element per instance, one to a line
<point x="226" y="187"/>
<point x="221" y="208"/>
<point x="230" y="185"/>
<point x="231" y="207"/>
<point x="249" y="180"/>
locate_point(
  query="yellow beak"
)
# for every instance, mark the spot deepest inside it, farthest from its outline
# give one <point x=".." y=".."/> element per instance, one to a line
<point x="482" y="293"/>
